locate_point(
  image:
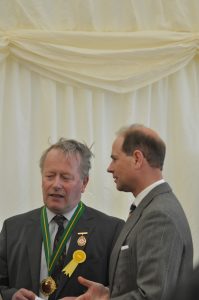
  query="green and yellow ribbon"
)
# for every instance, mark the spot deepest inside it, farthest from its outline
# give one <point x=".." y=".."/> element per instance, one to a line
<point x="52" y="258"/>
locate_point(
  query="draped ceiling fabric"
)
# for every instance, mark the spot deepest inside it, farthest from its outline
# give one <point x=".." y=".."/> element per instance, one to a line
<point x="82" y="69"/>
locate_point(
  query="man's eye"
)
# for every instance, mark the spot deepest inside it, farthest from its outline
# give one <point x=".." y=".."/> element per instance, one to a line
<point x="66" y="178"/>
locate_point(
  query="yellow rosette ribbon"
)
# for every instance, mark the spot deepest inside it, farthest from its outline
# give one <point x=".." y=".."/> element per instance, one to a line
<point x="79" y="256"/>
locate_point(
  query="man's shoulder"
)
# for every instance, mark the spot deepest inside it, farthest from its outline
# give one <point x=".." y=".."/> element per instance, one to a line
<point x="24" y="216"/>
<point x="102" y="216"/>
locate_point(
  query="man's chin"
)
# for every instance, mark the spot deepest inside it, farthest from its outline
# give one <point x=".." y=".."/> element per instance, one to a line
<point x="122" y="188"/>
<point x="118" y="187"/>
<point x="57" y="209"/>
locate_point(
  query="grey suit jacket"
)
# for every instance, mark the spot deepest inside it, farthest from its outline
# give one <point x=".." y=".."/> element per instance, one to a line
<point x="189" y="289"/>
<point x="154" y="249"/>
<point x="20" y="252"/>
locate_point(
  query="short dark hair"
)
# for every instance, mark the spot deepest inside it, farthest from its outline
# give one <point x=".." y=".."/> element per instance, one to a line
<point x="136" y="138"/>
<point x="70" y="146"/>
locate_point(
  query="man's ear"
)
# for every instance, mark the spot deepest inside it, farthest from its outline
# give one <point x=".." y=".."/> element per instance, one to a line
<point x="85" y="182"/>
<point x="138" y="158"/>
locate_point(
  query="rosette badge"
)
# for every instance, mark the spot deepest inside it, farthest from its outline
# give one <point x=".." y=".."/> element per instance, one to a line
<point x="79" y="256"/>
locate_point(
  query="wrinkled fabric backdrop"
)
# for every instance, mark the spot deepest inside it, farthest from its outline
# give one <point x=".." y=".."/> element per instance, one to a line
<point x="82" y="69"/>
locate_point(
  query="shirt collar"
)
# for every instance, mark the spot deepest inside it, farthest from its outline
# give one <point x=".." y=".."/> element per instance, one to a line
<point x="68" y="215"/>
<point x="143" y="193"/>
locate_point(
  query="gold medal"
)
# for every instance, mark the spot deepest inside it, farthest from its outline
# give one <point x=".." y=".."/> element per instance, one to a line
<point x="81" y="241"/>
<point x="48" y="286"/>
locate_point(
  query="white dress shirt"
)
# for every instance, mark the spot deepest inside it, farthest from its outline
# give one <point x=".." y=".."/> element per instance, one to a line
<point x="143" y="193"/>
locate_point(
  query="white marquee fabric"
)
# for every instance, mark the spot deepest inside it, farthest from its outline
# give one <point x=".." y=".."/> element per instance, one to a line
<point x="82" y="69"/>
<point x="136" y="60"/>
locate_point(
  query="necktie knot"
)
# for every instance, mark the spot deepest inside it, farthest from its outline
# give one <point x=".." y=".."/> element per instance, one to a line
<point x="132" y="208"/>
<point x="59" y="219"/>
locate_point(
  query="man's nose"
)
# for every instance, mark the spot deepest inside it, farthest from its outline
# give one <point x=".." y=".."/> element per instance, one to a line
<point x="57" y="182"/>
<point x="109" y="169"/>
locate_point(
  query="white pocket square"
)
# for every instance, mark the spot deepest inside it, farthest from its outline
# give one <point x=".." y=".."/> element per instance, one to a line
<point x="124" y="247"/>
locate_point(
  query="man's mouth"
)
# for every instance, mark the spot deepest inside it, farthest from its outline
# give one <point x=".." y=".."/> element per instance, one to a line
<point x="115" y="179"/>
<point x="56" y="195"/>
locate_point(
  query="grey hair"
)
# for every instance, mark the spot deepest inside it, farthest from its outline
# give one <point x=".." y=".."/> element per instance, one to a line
<point x="70" y="146"/>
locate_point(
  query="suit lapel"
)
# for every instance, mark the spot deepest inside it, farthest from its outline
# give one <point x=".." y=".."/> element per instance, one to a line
<point x="130" y="224"/>
<point x="34" y="243"/>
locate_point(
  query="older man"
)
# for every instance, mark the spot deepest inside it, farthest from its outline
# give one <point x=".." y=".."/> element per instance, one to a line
<point x="43" y="251"/>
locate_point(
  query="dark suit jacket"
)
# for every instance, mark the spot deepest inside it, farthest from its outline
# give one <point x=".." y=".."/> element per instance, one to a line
<point x="154" y="249"/>
<point x="20" y="252"/>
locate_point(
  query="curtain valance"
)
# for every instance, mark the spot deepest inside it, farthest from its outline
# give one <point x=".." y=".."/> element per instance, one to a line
<point x="119" y="62"/>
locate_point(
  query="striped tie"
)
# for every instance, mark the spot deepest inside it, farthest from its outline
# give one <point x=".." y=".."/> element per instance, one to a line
<point x="59" y="219"/>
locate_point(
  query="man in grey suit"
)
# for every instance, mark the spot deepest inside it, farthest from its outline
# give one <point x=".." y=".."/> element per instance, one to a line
<point x="42" y="252"/>
<point x="154" y="251"/>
